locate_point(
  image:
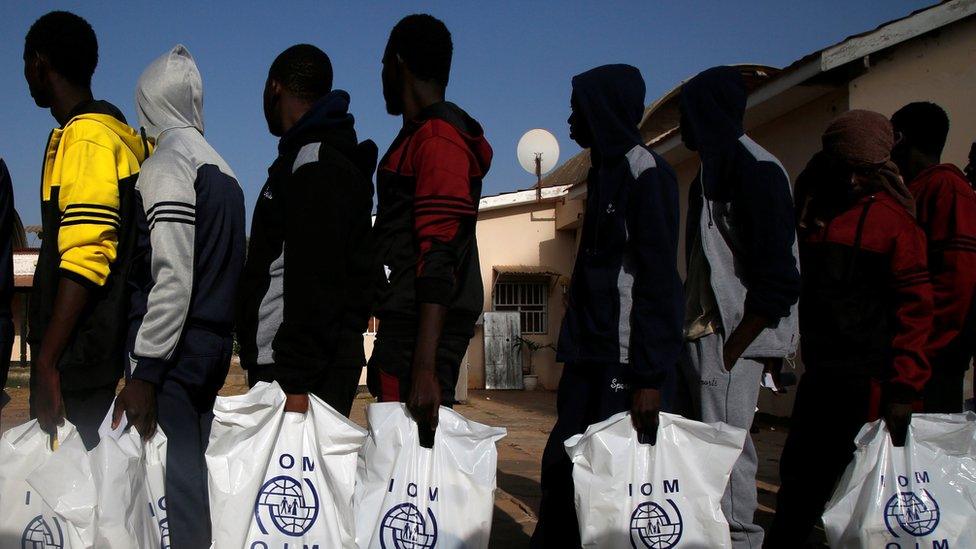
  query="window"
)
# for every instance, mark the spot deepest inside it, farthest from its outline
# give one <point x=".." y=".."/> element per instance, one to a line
<point x="529" y="298"/>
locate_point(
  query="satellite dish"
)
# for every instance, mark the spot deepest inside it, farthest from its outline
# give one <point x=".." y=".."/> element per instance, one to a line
<point x="538" y="152"/>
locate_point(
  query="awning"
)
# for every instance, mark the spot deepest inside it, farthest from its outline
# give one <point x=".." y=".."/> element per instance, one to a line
<point x="526" y="271"/>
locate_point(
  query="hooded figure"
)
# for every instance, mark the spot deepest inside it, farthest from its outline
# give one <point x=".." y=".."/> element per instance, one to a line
<point x="181" y="319"/>
<point x="625" y="299"/>
<point x="865" y="315"/>
<point x="621" y="333"/>
<point x="743" y="274"/>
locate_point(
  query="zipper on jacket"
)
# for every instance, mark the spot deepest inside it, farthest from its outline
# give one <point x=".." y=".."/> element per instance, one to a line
<point x="707" y="203"/>
<point x="47" y="146"/>
<point x="145" y="143"/>
<point x="857" y="238"/>
<point x="403" y="157"/>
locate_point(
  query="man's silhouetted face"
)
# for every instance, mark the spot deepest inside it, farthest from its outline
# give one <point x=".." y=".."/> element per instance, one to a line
<point x="579" y="129"/>
<point x="35" y="72"/>
<point x="687" y="133"/>
<point x="393" y="84"/>
<point x="272" y="107"/>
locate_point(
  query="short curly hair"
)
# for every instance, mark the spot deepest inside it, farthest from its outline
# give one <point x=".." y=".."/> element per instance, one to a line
<point x="304" y="70"/>
<point x="424" y="44"/>
<point x="924" y="124"/>
<point x="68" y="43"/>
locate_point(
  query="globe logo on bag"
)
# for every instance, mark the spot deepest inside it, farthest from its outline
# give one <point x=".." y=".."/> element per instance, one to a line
<point x="404" y="527"/>
<point x="39" y="534"/>
<point x="916" y="514"/>
<point x="651" y="527"/>
<point x="164" y="533"/>
<point x="291" y="508"/>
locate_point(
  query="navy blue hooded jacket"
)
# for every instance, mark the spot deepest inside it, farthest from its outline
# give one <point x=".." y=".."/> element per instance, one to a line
<point x="625" y="300"/>
<point x="749" y="200"/>
<point x="303" y="302"/>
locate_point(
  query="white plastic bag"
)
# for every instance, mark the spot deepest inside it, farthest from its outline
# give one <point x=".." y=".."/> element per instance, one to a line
<point x="408" y="496"/>
<point x="922" y="495"/>
<point x="47" y="498"/>
<point x="280" y="478"/>
<point x="129" y="477"/>
<point x="668" y="495"/>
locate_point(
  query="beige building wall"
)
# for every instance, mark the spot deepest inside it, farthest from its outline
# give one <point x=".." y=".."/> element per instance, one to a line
<point x="523" y="235"/>
<point x="939" y="67"/>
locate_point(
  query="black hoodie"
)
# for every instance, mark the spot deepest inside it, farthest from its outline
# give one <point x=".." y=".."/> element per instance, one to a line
<point x="304" y="295"/>
<point x="748" y="195"/>
<point x="625" y="300"/>
<point x="7" y="220"/>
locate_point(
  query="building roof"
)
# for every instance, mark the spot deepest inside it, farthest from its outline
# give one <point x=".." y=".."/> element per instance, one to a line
<point x="25" y="262"/>
<point x="525" y="270"/>
<point x="772" y="91"/>
<point x="517" y="198"/>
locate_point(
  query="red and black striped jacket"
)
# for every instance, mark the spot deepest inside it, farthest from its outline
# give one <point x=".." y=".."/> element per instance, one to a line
<point x="946" y="208"/>
<point x="428" y="189"/>
<point x="866" y="298"/>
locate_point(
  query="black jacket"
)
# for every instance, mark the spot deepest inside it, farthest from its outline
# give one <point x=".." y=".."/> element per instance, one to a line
<point x="7" y="216"/>
<point x="625" y="299"/>
<point x="304" y="297"/>
<point x="429" y="186"/>
<point x="749" y="190"/>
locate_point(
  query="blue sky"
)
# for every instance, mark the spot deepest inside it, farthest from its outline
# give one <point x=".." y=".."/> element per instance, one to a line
<point x="513" y="61"/>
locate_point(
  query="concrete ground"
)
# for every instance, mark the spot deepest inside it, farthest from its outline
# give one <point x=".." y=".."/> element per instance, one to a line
<point x="528" y="416"/>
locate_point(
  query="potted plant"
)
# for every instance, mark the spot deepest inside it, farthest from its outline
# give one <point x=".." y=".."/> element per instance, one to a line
<point x="528" y="348"/>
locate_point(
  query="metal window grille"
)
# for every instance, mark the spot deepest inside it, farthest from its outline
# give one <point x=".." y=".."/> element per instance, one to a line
<point x="529" y="299"/>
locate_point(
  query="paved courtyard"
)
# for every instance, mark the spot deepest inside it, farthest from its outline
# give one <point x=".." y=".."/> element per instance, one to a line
<point x="528" y="416"/>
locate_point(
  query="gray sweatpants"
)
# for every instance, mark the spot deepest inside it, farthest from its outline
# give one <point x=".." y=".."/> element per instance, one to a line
<point x="729" y="397"/>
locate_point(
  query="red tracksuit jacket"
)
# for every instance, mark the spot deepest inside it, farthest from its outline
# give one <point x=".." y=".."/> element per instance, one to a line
<point x="946" y="210"/>
<point x="866" y="298"/>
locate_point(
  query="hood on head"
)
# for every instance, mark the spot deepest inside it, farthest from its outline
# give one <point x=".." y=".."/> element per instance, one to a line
<point x="169" y="93"/>
<point x="471" y="131"/>
<point x="329" y="115"/>
<point x="713" y="103"/>
<point x="611" y="100"/>
<point x="111" y="117"/>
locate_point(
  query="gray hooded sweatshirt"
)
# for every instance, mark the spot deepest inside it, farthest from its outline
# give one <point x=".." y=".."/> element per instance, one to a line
<point x="192" y="232"/>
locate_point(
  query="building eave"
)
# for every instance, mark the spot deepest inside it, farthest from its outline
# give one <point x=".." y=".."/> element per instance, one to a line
<point x="896" y="32"/>
<point x="519" y="198"/>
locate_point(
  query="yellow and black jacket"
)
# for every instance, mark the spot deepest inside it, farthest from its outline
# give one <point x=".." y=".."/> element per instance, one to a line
<point x="87" y="211"/>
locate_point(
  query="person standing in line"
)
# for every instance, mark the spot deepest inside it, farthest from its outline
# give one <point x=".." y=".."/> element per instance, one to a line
<point x="429" y="293"/>
<point x="865" y="315"/>
<point x="620" y="342"/>
<point x="78" y="308"/>
<point x="303" y="303"/>
<point x="743" y="278"/>
<point x="7" y="216"/>
<point x="191" y="244"/>
<point x="945" y="207"/>
<point x="970" y="169"/>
